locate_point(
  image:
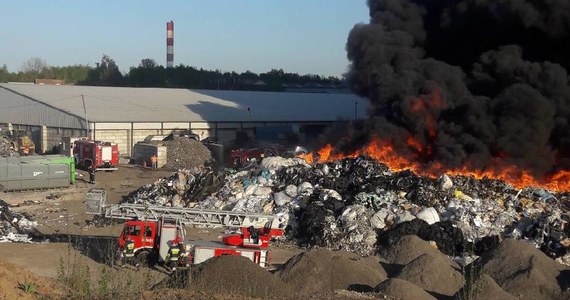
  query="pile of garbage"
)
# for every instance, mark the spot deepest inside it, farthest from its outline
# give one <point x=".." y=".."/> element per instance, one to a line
<point x="183" y="152"/>
<point x="183" y="188"/>
<point x="6" y="146"/>
<point x="356" y="204"/>
<point x="15" y="227"/>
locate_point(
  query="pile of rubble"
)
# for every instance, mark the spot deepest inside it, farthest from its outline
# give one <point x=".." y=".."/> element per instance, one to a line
<point x="356" y="204"/>
<point x="14" y="227"/>
<point x="6" y="146"/>
<point x="182" y="189"/>
<point x="185" y="153"/>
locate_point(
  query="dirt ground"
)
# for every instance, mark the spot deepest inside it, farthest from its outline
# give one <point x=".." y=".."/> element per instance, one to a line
<point x="62" y="212"/>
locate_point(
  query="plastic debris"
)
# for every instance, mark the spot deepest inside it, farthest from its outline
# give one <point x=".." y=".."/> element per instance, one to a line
<point x="350" y="203"/>
<point x="15" y="227"/>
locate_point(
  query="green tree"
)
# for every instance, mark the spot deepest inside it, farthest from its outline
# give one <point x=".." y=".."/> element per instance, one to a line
<point x="105" y="73"/>
<point x="148" y="73"/>
<point x="148" y="63"/>
<point x="4" y="74"/>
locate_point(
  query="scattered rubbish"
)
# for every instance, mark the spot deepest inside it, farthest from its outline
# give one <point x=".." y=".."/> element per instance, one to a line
<point x="357" y="203"/>
<point x="14" y="227"/>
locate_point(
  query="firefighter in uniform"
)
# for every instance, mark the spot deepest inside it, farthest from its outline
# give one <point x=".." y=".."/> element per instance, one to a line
<point x="253" y="234"/>
<point x="175" y="252"/>
<point x="128" y="252"/>
<point x="91" y="174"/>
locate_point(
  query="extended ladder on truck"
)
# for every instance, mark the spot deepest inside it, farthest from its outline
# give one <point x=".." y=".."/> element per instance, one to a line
<point x="150" y="229"/>
<point x="95" y="201"/>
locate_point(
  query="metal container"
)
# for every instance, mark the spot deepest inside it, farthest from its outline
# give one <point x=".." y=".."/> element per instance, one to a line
<point x="36" y="172"/>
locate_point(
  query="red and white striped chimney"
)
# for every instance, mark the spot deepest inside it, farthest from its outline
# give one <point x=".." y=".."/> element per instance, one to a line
<point x="170" y="44"/>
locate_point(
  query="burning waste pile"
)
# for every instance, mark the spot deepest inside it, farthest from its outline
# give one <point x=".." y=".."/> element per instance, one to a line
<point x="14" y="227"/>
<point x="358" y="204"/>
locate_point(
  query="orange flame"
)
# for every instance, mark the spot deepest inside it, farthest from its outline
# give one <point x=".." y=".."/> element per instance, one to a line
<point x="307" y="157"/>
<point x="415" y="144"/>
<point x="384" y="152"/>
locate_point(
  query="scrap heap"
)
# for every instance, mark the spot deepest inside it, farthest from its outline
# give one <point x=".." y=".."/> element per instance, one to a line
<point x="7" y="148"/>
<point x="183" y="152"/>
<point x="358" y="204"/>
<point x="14" y="227"/>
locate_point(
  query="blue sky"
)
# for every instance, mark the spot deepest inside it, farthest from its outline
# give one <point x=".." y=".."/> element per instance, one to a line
<point x="230" y="35"/>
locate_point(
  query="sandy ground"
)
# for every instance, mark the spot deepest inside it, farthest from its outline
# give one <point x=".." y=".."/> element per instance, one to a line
<point x="62" y="212"/>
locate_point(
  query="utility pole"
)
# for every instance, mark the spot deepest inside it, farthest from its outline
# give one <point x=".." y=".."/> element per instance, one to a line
<point x="85" y="111"/>
<point x="355" y="109"/>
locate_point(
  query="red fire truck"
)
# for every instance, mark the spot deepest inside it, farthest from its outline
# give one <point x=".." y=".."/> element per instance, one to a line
<point x="241" y="157"/>
<point x="101" y="155"/>
<point x="152" y="229"/>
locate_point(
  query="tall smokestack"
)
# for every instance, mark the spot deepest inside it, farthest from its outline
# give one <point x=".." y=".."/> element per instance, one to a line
<point x="170" y="44"/>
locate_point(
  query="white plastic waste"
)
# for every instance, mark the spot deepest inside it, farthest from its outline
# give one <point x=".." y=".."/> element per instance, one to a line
<point x="428" y="214"/>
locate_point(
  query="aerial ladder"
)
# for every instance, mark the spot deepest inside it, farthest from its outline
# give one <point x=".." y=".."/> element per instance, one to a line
<point x="152" y="227"/>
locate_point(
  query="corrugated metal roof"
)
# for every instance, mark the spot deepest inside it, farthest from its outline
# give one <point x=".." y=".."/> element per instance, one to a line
<point x="120" y="104"/>
<point x="18" y="109"/>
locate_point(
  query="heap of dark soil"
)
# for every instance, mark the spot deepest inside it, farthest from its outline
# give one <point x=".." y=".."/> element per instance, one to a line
<point x="402" y="289"/>
<point x="320" y="270"/>
<point x="482" y="289"/>
<point x="184" y="294"/>
<point x="185" y="153"/>
<point x="524" y="271"/>
<point x="409" y="247"/>
<point x="433" y="274"/>
<point x="229" y="275"/>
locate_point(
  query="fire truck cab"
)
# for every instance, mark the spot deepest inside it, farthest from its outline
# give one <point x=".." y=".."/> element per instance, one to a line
<point x="241" y="157"/>
<point x="151" y="239"/>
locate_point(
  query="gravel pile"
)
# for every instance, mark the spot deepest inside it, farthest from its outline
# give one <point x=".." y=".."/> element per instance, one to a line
<point x="396" y="288"/>
<point x="525" y="272"/>
<point x="185" y="153"/>
<point x="321" y="270"/>
<point x="484" y="288"/>
<point x="230" y="275"/>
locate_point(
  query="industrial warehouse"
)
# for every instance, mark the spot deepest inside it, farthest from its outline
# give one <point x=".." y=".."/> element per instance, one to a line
<point x="126" y="116"/>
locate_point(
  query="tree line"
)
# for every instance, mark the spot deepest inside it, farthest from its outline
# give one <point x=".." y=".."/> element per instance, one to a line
<point x="150" y="74"/>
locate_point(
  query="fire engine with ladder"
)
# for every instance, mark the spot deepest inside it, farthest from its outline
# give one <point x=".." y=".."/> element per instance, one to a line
<point x="152" y="228"/>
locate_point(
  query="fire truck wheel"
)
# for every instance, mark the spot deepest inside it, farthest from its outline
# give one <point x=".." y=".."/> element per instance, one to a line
<point x="143" y="259"/>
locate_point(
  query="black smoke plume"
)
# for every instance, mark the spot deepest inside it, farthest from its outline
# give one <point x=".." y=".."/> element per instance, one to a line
<point x="474" y="81"/>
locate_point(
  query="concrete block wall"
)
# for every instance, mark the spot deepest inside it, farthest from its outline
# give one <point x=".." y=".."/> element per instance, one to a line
<point x="143" y="152"/>
<point x="52" y="136"/>
<point x="140" y="134"/>
<point x="119" y="136"/>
